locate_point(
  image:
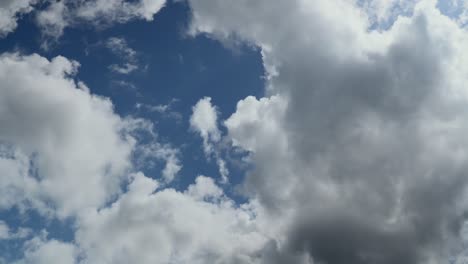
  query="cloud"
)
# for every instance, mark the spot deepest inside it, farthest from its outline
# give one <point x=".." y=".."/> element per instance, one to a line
<point x="62" y="149"/>
<point x="204" y="120"/>
<point x="384" y="12"/>
<point x="166" y="110"/>
<point x="120" y="48"/>
<point x="358" y="147"/>
<point x="65" y="153"/>
<point x="359" y="131"/>
<point x="61" y="14"/>
<point x="150" y="225"/>
<point x="7" y="234"/>
<point x="10" y="11"/>
<point x="39" y="250"/>
<point x="147" y="154"/>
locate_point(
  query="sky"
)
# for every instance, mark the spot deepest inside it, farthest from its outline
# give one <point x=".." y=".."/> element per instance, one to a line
<point x="233" y="132"/>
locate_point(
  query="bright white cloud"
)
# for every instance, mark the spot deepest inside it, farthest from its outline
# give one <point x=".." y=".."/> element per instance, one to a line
<point x="166" y="110"/>
<point x="204" y="120"/>
<point x="10" y="11"/>
<point x="39" y="250"/>
<point x="7" y="234"/>
<point x="53" y="127"/>
<point x="150" y="225"/>
<point x="385" y="12"/>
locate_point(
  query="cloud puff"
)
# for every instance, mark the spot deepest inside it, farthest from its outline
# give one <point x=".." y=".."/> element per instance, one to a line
<point x="10" y="10"/>
<point x="62" y="148"/>
<point x="150" y="225"/>
<point x="360" y="130"/>
<point x="65" y="153"/>
<point x="204" y="120"/>
<point x="39" y="250"/>
<point x="61" y="14"/>
<point x="358" y="147"/>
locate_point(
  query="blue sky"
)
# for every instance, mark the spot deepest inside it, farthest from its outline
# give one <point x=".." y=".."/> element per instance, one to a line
<point x="204" y="131"/>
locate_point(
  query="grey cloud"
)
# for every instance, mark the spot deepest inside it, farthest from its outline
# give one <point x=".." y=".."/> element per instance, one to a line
<point x="367" y="163"/>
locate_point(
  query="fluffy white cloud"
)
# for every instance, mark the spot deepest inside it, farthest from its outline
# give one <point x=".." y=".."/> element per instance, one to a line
<point x="63" y="148"/>
<point x="204" y="120"/>
<point x="61" y="14"/>
<point x="65" y="152"/>
<point x="39" y="250"/>
<point x="151" y="225"/>
<point x="7" y="234"/>
<point x="360" y="129"/>
<point x="10" y="11"/>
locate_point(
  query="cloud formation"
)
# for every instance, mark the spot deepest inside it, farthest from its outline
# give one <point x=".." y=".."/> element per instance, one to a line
<point x="10" y="10"/>
<point x="360" y="131"/>
<point x="61" y="14"/>
<point x="120" y="48"/>
<point x="204" y="120"/>
<point x="358" y="147"/>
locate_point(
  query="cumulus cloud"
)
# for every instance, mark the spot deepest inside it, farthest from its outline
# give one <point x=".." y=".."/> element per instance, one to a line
<point x="204" y="120"/>
<point x="39" y="250"/>
<point x="69" y="155"/>
<point x="358" y="145"/>
<point x="51" y="129"/>
<point x="151" y="225"/>
<point x="57" y="139"/>
<point x="10" y="11"/>
<point x="7" y="234"/>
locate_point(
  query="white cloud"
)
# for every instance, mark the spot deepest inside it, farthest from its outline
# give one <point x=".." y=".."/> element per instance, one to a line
<point x="120" y="48"/>
<point x="52" y="20"/>
<point x="166" y="226"/>
<point x="166" y="110"/>
<point x="359" y="130"/>
<point x="7" y="234"/>
<point x="61" y="147"/>
<point x="204" y="120"/>
<point x="39" y="250"/>
<point x="125" y="68"/>
<point x="10" y="11"/>
<point x="62" y="14"/>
